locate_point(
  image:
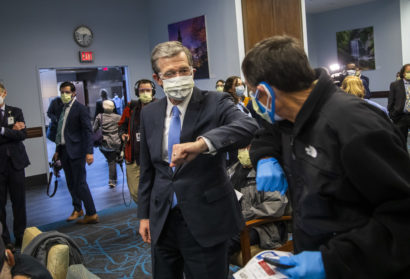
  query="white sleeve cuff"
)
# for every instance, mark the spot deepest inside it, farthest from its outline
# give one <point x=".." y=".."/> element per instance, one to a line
<point x="211" y="148"/>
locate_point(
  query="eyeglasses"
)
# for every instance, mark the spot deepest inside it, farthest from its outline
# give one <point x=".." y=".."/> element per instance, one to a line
<point x="186" y="71"/>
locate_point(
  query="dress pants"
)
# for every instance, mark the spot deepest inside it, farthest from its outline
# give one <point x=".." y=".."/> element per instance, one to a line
<point x="133" y="179"/>
<point x="403" y="124"/>
<point x="177" y="252"/>
<point x="74" y="170"/>
<point x="111" y="157"/>
<point x="12" y="181"/>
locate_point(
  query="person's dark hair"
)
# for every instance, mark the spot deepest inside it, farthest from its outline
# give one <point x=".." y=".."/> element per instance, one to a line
<point x="402" y="70"/>
<point x="230" y="83"/>
<point x="104" y="94"/>
<point x="219" y="80"/>
<point x="143" y="81"/>
<point x="67" y="83"/>
<point x="280" y="61"/>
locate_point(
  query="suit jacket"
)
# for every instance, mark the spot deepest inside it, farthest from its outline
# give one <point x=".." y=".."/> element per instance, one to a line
<point x="397" y="99"/>
<point x="54" y="112"/>
<point x="78" y="132"/>
<point x="12" y="141"/>
<point x="205" y="194"/>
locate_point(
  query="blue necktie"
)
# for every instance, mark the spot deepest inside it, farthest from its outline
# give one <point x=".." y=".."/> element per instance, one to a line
<point x="173" y="138"/>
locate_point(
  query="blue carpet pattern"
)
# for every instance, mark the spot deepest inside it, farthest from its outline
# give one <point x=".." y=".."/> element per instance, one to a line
<point x="112" y="248"/>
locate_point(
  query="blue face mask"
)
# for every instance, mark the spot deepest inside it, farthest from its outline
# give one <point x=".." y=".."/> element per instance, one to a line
<point x="264" y="111"/>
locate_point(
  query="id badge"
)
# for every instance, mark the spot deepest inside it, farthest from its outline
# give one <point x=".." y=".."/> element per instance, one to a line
<point x="10" y="120"/>
<point x="138" y="137"/>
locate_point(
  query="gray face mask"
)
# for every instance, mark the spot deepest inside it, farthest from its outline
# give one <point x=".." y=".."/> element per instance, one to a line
<point x="178" y="88"/>
<point x="1" y="100"/>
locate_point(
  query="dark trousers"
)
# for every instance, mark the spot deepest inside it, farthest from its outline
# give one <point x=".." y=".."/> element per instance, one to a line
<point x="12" y="181"/>
<point x="111" y="157"/>
<point x="403" y="123"/>
<point x="75" y="174"/>
<point x="177" y="252"/>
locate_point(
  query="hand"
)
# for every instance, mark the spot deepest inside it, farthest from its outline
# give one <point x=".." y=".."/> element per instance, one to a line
<point x="125" y="137"/>
<point x="19" y="126"/>
<point x="55" y="157"/>
<point x="270" y="176"/>
<point x="89" y="158"/>
<point x="307" y="265"/>
<point x="185" y="152"/>
<point x="144" y="230"/>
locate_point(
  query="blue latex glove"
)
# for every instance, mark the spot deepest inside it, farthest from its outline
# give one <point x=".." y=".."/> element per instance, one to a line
<point x="308" y="265"/>
<point x="270" y="176"/>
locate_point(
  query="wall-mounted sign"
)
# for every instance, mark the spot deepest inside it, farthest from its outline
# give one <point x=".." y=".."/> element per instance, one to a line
<point x="86" y="56"/>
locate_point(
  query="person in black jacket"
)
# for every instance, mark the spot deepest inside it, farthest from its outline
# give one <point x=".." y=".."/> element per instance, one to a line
<point x="53" y="112"/>
<point x="12" y="163"/>
<point x="347" y="168"/>
<point x="399" y="101"/>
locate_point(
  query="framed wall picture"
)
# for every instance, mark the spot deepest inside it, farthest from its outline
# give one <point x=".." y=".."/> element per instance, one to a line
<point x="192" y="34"/>
<point x="356" y="46"/>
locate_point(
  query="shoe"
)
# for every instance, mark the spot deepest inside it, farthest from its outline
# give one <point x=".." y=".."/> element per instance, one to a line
<point x="111" y="185"/>
<point x="89" y="219"/>
<point x="75" y="215"/>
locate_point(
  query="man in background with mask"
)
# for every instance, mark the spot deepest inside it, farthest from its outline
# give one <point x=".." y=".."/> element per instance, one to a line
<point x="399" y="101"/>
<point x="74" y="147"/>
<point x="13" y="160"/>
<point x="219" y="86"/>
<point x="348" y="169"/>
<point x="186" y="205"/>
<point x="129" y="130"/>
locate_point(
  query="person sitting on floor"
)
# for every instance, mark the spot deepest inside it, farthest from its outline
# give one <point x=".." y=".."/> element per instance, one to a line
<point x="255" y="205"/>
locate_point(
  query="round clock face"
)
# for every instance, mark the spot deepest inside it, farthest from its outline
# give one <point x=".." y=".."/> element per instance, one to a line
<point x="83" y="36"/>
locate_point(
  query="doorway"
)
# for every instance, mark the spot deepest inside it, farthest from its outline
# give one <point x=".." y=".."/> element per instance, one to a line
<point x="89" y="83"/>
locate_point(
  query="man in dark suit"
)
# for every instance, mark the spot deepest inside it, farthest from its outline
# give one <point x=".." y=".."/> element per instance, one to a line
<point x="12" y="163"/>
<point x="74" y="147"/>
<point x="399" y="101"/>
<point x="187" y="207"/>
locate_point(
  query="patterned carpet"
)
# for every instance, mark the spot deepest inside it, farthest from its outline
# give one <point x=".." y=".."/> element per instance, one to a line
<point x="112" y="248"/>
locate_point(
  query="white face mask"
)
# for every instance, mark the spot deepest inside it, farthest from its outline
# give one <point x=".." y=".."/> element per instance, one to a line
<point x="1" y="100"/>
<point x="351" y="72"/>
<point x="240" y="90"/>
<point x="179" y="87"/>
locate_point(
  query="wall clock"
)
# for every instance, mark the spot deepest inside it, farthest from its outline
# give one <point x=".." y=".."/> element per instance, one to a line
<point x="83" y="36"/>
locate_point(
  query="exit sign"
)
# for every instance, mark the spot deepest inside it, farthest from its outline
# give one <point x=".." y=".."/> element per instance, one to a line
<point x="86" y="56"/>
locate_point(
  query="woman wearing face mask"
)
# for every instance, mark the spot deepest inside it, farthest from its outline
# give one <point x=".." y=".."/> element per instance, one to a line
<point x="235" y="87"/>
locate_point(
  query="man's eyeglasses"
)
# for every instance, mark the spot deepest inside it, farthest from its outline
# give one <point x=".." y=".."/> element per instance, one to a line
<point x="187" y="71"/>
